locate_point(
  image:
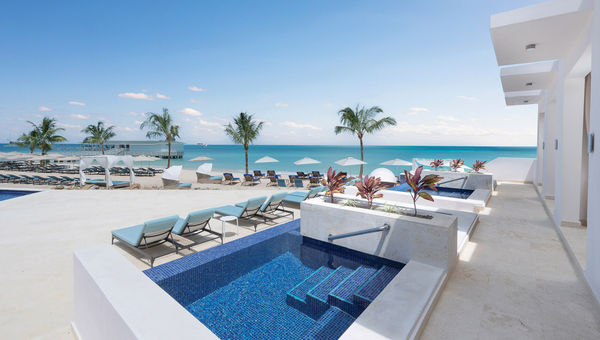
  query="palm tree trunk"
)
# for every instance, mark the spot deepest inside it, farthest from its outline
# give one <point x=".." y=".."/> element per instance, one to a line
<point x="169" y="155"/>
<point x="43" y="148"/>
<point x="246" y="154"/>
<point x="361" y="156"/>
<point x="102" y="147"/>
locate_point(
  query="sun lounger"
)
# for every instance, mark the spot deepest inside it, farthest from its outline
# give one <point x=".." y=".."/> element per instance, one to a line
<point x="273" y="207"/>
<point x="301" y="175"/>
<point x="314" y="182"/>
<point x="272" y="181"/>
<point x="298" y="183"/>
<point x="281" y="183"/>
<point x="250" y="180"/>
<point x="271" y="173"/>
<point x="246" y="210"/>
<point x="147" y="235"/>
<point x="229" y="179"/>
<point x="299" y="196"/>
<point x="258" y="173"/>
<point x="206" y="178"/>
<point x="195" y="223"/>
<point x="316" y="174"/>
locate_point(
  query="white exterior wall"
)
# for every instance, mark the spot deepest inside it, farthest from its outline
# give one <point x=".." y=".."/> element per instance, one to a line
<point x="540" y="151"/>
<point x="549" y="165"/>
<point x="568" y="155"/>
<point x="592" y="270"/>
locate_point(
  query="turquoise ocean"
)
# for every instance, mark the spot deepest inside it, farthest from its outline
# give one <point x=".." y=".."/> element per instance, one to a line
<point x="231" y="157"/>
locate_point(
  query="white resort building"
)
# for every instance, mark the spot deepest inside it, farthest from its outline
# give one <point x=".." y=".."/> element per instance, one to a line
<point x="548" y="54"/>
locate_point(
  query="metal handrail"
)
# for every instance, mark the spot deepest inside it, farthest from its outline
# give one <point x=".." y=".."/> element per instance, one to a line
<point x="384" y="227"/>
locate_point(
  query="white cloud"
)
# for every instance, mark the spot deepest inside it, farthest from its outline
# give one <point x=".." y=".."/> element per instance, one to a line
<point x="137" y="122"/>
<point x="417" y="110"/>
<point x="133" y="95"/>
<point x="445" y="129"/>
<point x="466" y="98"/>
<point x="44" y="108"/>
<point x="281" y="105"/>
<point x="191" y="112"/>
<point x="214" y="124"/>
<point x="195" y="88"/>
<point x="448" y="118"/>
<point x="68" y="126"/>
<point x="295" y="125"/>
<point x="78" y="116"/>
<point x="76" y="103"/>
<point x="162" y="96"/>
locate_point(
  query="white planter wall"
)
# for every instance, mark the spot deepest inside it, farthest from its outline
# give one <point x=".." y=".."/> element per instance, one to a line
<point x="429" y="241"/>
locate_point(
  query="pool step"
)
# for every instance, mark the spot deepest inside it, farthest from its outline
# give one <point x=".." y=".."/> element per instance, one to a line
<point x="342" y="296"/>
<point x="318" y="296"/>
<point x="331" y="325"/>
<point x="296" y="297"/>
<point x="369" y="291"/>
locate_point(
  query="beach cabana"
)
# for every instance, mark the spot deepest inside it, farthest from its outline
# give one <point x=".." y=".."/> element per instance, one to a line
<point x="203" y="174"/>
<point x="170" y="178"/>
<point x="386" y="175"/>
<point x="107" y="162"/>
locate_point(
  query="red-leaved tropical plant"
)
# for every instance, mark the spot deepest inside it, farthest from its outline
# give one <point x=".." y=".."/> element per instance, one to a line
<point x="418" y="183"/>
<point x="368" y="188"/>
<point x="335" y="182"/>
<point x="456" y="163"/>
<point x="479" y="166"/>
<point x="437" y="163"/>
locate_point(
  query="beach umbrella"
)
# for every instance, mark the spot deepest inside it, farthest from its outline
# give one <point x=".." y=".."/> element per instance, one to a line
<point x="397" y="162"/>
<point x="306" y="161"/>
<point x="266" y="159"/>
<point x="200" y="159"/>
<point x="144" y="158"/>
<point x="350" y="161"/>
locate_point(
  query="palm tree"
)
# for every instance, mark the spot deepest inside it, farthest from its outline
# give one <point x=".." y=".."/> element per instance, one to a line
<point x="361" y="121"/>
<point x="29" y="140"/>
<point x="161" y="126"/>
<point x="244" y="131"/>
<point x="46" y="134"/>
<point x="98" y="134"/>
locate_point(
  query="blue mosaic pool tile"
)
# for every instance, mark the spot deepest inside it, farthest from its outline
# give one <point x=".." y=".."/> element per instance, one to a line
<point x="369" y="291"/>
<point x="331" y="325"/>
<point x="300" y="290"/>
<point x="342" y="296"/>
<point x="318" y="295"/>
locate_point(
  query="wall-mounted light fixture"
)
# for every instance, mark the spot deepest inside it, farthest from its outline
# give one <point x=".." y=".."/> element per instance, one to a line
<point x="526" y="101"/>
<point x="543" y="145"/>
<point x="590" y="143"/>
<point x="529" y="84"/>
<point x="530" y="47"/>
<point x="556" y="144"/>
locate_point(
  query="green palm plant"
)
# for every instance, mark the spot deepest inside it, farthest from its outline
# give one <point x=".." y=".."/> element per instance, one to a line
<point x="98" y="134"/>
<point x="361" y="121"/>
<point x="46" y="133"/>
<point x="244" y="131"/>
<point x="29" y="140"/>
<point x="161" y="126"/>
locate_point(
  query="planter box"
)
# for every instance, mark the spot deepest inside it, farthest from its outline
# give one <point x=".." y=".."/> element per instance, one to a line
<point x="430" y="241"/>
<point x="464" y="180"/>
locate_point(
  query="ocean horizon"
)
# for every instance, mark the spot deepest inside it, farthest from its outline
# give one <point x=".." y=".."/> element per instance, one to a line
<point x="229" y="157"/>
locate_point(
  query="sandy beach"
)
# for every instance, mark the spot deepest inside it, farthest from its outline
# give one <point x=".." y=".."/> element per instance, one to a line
<point x="154" y="182"/>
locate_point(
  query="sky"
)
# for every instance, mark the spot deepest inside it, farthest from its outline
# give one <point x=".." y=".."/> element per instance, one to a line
<point x="292" y="64"/>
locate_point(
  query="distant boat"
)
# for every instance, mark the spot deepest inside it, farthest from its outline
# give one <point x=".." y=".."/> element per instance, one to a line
<point x="201" y="144"/>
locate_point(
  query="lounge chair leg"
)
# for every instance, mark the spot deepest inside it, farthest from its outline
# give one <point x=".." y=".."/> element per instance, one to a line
<point x="112" y="240"/>
<point x="255" y="226"/>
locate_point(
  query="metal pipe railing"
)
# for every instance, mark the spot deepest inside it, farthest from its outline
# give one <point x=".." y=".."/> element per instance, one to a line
<point x="384" y="227"/>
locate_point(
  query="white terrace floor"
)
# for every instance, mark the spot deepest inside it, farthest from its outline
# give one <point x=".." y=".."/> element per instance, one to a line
<point x="514" y="279"/>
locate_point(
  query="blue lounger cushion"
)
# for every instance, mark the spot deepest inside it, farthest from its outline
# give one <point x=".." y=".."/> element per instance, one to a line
<point x="193" y="218"/>
<point x="214" y="178"/>
<point x="274" y="199"/>
<point x="230" y="210"/>
<point x="294" y="199"/>
<point x="184" y="185"/>
<point x="131" y="235"/>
